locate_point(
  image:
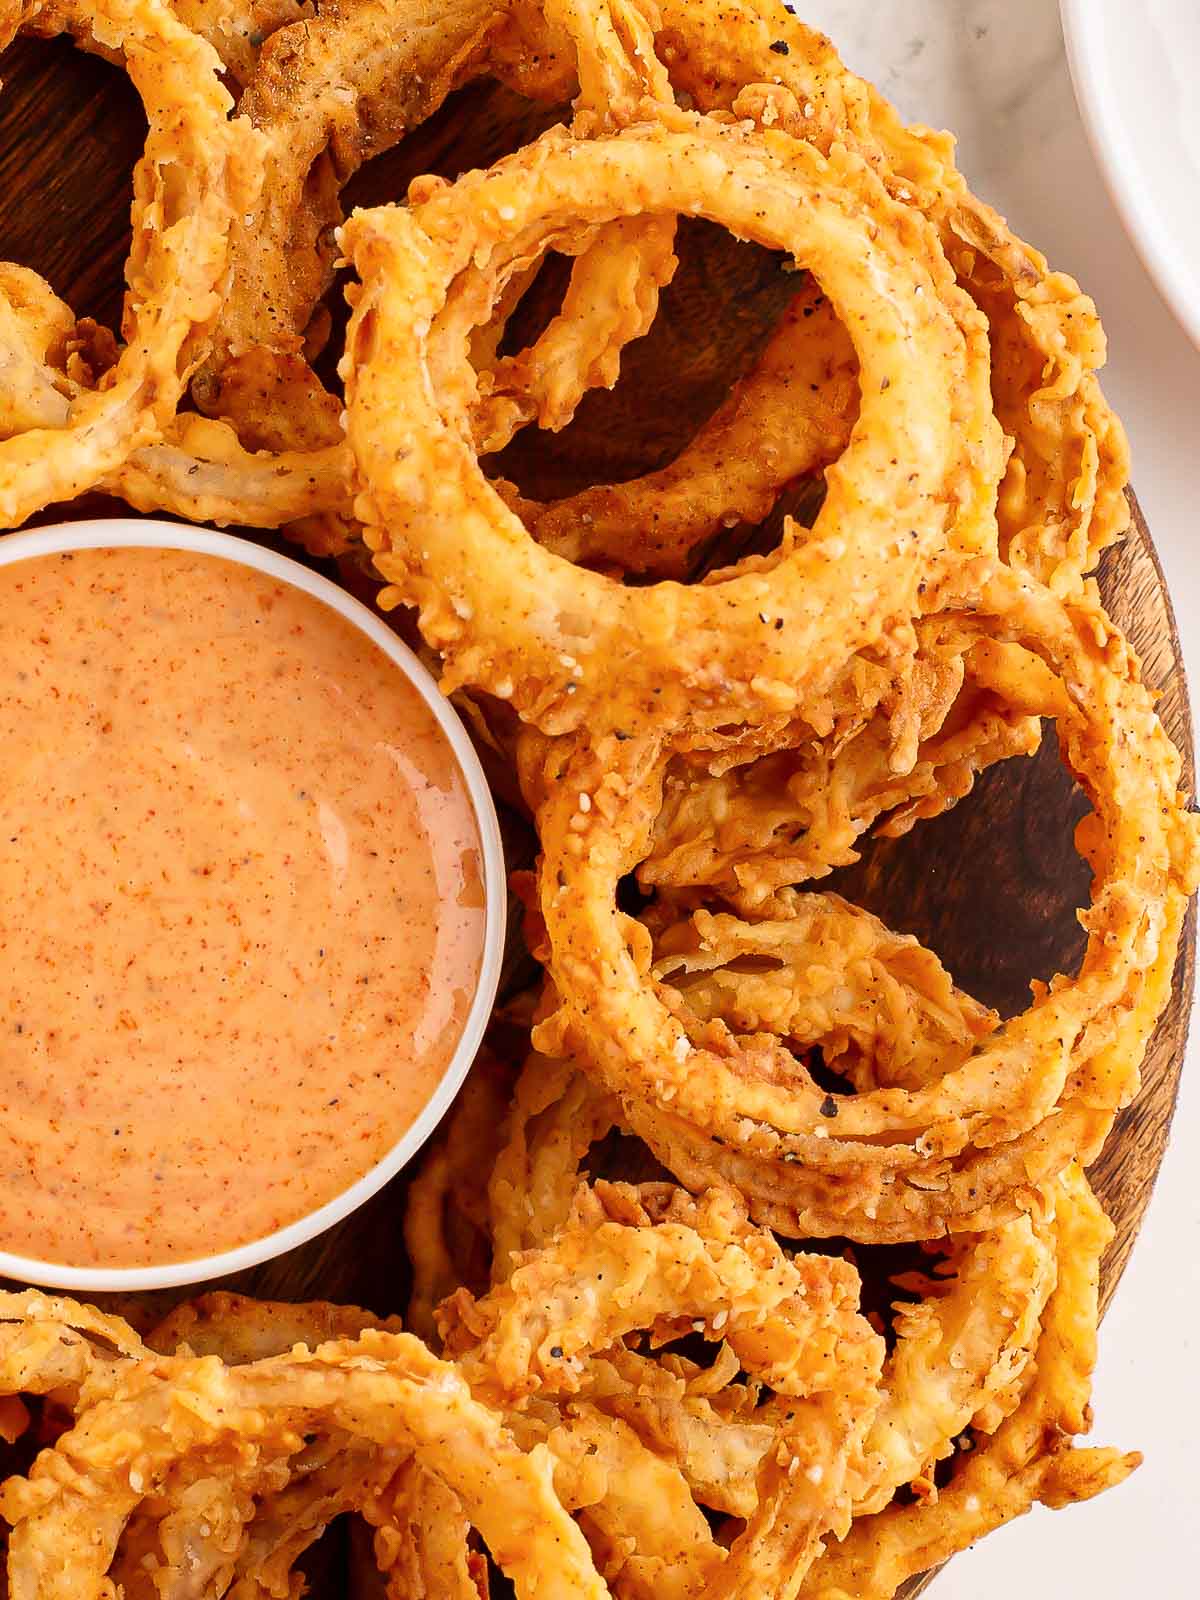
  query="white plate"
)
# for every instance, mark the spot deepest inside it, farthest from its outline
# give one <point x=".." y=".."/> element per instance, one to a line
<point x="1136" y="64"/>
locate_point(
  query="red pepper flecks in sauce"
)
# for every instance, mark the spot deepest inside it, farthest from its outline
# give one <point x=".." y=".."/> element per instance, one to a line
<point x="241" y="906"/>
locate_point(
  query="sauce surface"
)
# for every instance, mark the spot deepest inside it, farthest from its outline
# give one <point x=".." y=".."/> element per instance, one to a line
<point x="241" y="906"/>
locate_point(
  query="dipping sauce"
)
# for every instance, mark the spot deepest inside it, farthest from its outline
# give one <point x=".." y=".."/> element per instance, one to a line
<point x="241" y="906"/>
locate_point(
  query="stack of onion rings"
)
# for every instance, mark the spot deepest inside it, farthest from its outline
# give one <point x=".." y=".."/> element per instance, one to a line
<point x="992" y="1359"/>
<point x="892" y="1163"/>
<point x="647" y="1259"/>
<point x="206" y="1448"/>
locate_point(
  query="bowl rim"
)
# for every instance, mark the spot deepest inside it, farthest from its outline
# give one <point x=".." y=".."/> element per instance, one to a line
<point x="1108" y="136"/>
<point x="161" y="534"/>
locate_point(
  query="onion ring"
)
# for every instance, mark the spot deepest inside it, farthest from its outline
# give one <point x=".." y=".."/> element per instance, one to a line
<point x="332" y="1479"/>
<point x="613" y="294"/>
<point x="557" y="1115"/>
<point x="881" y="1008"/>
<point x="907" y="746"/>
<point x="1063" y="496"/>
<point x="268" y="1514"/>
<point x="384" y="1388"/>
<point x="960" y="1354"/>
<point x="946" y="1144"/>
<point x="684" y="1265"/>
<point x="326" y="95"/>
<point x="1062" y="500"/>
<point x="612" y="298"/>
<point x="286" y="463"/>
<point x="530" y="628"/>
<point x="200" y="470"/>
<point x="1028" y="1459"/>
<point x="48" y="1344"/>
<point x="292" y="1507"/>
<point x="197" y="172"/>
<point x="395" y="59"/>
<point x="528" y="1335"/>
<point x="955" y="1352"/>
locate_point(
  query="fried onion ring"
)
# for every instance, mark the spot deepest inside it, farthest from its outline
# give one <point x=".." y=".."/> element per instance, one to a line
<point x="294" y="1502"/>
<point x="613" y="294"/>
<point x="1062" y="500"/>
<point x="199" y="470"/>
<point x="611" y="299"/>
<point x="682" y="1266"/>
<point x="955" y="1352"/>
<point x="198" y="171"/>
<point x="1063" y="496"/>
<point x="904" y="747"/>
<point x="959" y="1352"/>
<point x="383" y="1388"/>
<point x="328" y="94"/>
<point x="532" y="629"/>
<point x="892" y="1163"/>
<point x="51" y="1344"/>
<point x="1028" y="1459"/>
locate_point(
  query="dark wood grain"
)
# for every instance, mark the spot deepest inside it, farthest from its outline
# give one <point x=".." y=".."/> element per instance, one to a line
<point x="993" y="886"/>
<point x="71" y="129"/>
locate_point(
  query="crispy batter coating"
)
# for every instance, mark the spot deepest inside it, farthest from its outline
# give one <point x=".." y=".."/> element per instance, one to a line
<point x="199" y="170"/>
<point x="421" y="1539"/>
<point x="327" y="94"/>
<point x="684" y="1266"/>
<point x="236" y="29"/>
<point x="895" y="747"/>
<point x="1028" y="1459"/>
<point x="236" y="1424"/>
<point x="790" y="416"/>
<point x="611" y="299"/>
<point x="239" y="1329"/>
<point x="962" y="1356"/>
<point x="1062" y="500"/>
<point x="891" y="1163"/>
<point x="529" y="628"/>
<point x="49" y="1344"/>
<point x="449" y="1195"/>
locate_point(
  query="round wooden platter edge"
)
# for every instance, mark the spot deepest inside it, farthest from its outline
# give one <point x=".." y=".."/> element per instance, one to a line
<point x="1136" y="595"/>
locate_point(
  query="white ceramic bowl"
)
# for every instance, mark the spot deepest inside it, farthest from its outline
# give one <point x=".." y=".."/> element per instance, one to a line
<point x="1135" y="68"/>
<point x="129" y="533"/>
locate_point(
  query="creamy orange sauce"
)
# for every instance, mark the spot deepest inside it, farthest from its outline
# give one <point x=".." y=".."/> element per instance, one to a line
<point x="241" y="906"/>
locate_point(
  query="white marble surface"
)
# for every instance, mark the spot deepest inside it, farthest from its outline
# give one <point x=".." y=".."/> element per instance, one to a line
<point x="995" y="72"/>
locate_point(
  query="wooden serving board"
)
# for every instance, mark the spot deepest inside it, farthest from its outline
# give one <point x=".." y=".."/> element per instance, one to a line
<point x="993" y="886"/>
